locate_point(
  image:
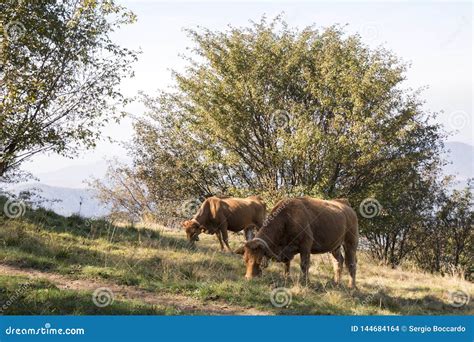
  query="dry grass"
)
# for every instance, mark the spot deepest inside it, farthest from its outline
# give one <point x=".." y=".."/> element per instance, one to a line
<point x="159" y="261"/>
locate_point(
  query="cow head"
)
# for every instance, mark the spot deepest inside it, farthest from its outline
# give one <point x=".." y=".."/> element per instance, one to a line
<point x="254" y="258"/>
<point x="193" y="228"/>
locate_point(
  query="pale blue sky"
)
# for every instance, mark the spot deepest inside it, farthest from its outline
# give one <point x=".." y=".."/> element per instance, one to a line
<point x="435" y="37"/>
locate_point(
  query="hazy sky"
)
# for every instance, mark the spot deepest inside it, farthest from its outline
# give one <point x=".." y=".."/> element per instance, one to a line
<point x="435" y="37"/>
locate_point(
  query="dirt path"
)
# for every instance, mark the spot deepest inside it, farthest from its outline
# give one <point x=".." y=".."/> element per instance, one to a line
<point x="182" y="303"/>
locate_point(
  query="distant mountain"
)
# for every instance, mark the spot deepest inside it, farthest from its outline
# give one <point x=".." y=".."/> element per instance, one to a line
<point x="73" y="176"/>
<point x="65" y="201"/>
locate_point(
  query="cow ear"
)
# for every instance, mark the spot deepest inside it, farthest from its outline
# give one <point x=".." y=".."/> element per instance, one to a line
<point x="240" y="250"/>
<point x="185" y="223"/>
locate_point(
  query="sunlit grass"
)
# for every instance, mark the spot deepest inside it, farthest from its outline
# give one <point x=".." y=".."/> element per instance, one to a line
<point x="159" y="261"/>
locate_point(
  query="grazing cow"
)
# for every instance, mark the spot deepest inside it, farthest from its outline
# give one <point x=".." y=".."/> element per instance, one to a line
<point x="219" y="215"/>
<point x="306" y="226"/>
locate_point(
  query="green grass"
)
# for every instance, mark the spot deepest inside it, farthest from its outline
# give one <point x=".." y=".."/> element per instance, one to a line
<point x="22" y="296"/>
<point x="159" y="261"/>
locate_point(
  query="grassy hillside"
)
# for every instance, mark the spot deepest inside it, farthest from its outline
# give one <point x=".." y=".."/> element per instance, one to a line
<point x="51" y="265"/>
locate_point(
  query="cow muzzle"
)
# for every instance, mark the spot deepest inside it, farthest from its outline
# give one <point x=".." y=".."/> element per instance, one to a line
<point x="253" y="273"/>
<point x="193" y="238"/>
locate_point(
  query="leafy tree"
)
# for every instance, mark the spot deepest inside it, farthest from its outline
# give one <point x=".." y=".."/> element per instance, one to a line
<point x="446" y="242"/>
<point x="127" y="198"/>
<point x="404" y="209"/>
<point x="60" y="76"/>
<point x="280" y="111"/>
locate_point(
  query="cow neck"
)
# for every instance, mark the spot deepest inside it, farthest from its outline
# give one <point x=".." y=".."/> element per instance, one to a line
<point x="270" y="233"/>
<point x="200" y="216"/>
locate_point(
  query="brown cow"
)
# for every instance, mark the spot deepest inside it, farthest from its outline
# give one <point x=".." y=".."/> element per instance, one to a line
<point x="306" y="226"/>
<point x="219" y="215"/>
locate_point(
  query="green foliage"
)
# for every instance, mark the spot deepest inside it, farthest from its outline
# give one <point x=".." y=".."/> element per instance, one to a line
<point x="447" y="239"/>
<point x="60" y="75"/>
<point x="274" y="110"/>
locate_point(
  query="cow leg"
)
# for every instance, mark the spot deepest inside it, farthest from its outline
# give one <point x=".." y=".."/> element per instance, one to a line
<point x="305" y="258"/>
<point x="338" y="263"/>
<point x="287" y="268"/>
<point x="218" y="234"/>
<point x="225" y="237"/>
<point x="351" y="264"/>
